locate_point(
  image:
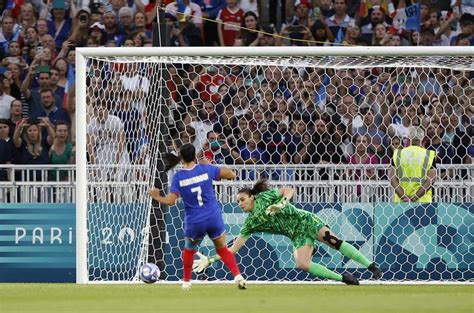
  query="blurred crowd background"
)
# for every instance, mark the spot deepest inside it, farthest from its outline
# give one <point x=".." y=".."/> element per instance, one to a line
<point x="234" y="114"/>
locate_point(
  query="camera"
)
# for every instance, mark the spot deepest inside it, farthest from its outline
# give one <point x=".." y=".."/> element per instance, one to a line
<point x="83" y="18"/>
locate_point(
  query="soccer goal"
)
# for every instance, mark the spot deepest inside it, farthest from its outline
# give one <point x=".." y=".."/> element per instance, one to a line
<point x="323" y="120"/>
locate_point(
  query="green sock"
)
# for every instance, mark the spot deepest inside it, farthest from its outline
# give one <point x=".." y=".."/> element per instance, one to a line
<point x="323" y="272"/>
<point x="352" y="253"/>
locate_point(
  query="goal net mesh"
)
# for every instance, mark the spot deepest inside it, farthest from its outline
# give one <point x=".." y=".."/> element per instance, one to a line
<point x="326" y="126"/>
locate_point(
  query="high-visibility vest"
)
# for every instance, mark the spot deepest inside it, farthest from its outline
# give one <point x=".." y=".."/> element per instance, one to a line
<point x="412" y="165"/>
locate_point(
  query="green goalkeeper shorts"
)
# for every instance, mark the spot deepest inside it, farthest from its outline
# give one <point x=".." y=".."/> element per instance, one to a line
<point x="309" y="231"/>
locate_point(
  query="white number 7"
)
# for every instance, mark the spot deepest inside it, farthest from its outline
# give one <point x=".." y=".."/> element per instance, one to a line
<point x="199" y="194"/>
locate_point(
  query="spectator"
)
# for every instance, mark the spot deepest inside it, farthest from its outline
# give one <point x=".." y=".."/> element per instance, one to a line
<point x="251" y="152"/>
<point x="10" y="32"/>
<point x="27" y="16"/>
<point x="229" y="18"/>
<point x="433" y="141"/>
<point x="457" y="139"/>
<point x="14" y="76"/>
<point x="80" y="27"/>
<point x="57" y="90"/>
<point x="139" y="22"/>
<point x="216" y="150"/>
<point x="5" y="129"/>
<point x="16" y="110"/>
<point x="466" y="23"/>
<point x="380" y="36"/>
<point x="42" y="26"/>
<point x="248" y="35"/>
<point x="408" y="118"/>
<point x="339" y="22"/>
<point x="32" y="37"/>
<point x="126" y="20"/>
<point x="322" y="34"/>
<point x="131" y="119"/>
<point x="14" y="55"/>
<point x="5" y="100"/>
<point x="372" y="131"/>
<point x="97" y="32"/>
<point x="210" y="9"/>
<point x="207" y="83"/>
<point x="60" y="25"/>
<point x="293" y="140"/>
<point x="362" y="155"/>
<point x="201" y="122"/>
<point x="137" y="83"/>
<point x="32" y="146"/>
<point x="106" y="145"/>
<point x="33" y="96"/>
<point x="227" y="123"/>
<point x="347" y="113"/>
<point x="184" y="33"/>
<point x="49" y="109"/>
<point x="61" y="152"/>
<point x="111" y="27"/>
<point x="61" y="65"/>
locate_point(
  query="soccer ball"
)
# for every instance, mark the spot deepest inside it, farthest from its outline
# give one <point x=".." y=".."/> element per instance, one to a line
<point x="149" y="273"/>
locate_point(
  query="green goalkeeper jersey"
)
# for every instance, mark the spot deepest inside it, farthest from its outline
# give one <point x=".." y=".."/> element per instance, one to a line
<point x="299" y="225"/>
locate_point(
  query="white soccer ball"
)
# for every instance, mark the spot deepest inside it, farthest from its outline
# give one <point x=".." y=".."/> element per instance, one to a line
<point x="149" y="273"/>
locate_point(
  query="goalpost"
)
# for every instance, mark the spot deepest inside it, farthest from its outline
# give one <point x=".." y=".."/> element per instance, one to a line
<point x="134" y="104"/>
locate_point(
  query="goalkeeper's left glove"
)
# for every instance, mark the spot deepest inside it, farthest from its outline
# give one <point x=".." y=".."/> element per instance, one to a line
<point x="274" y="208"/>
<point x="204" y="261"/>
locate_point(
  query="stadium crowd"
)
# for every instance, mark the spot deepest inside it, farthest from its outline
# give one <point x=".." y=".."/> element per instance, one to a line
<point x="234" y="114"/>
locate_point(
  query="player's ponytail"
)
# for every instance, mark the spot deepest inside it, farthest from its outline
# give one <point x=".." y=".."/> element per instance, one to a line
<point x="170" y="160"/>
<point x="260" y="186"/>
<point x="187" y="153"/>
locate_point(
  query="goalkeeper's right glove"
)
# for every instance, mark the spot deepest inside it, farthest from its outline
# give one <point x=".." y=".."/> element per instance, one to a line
<point x="200" y="265"/>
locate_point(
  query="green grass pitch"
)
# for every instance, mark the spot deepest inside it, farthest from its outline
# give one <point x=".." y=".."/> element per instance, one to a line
<point x="40" y="298"/>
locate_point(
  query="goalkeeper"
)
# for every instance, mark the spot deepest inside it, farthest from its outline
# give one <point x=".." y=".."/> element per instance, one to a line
<point x="270" y="212"/>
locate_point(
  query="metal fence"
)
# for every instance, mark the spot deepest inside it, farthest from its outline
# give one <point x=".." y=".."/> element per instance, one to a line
<point x="314" y="183"/>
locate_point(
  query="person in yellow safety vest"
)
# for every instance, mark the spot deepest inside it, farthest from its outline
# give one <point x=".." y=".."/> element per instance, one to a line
<point x="413" y="170"/>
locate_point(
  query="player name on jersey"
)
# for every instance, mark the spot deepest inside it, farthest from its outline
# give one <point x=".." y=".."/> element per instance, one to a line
<point x="193" y="180"/>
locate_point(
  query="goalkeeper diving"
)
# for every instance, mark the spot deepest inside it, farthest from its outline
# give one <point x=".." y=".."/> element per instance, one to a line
<point x="270" y="212"/>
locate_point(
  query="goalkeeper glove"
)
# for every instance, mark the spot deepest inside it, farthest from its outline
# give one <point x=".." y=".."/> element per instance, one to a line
<point x="200" y="265"/>
<point x="274" y="208"/>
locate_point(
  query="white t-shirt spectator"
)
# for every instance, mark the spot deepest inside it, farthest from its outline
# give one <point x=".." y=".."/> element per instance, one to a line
<point x="5" y="102"/>
<point x="134" y="83"/>
<point x="107" y="140"/>
<point x="201" y="128"/>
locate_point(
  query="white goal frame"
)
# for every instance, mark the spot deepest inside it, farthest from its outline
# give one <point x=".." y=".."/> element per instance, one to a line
<point x="81" y="124"/>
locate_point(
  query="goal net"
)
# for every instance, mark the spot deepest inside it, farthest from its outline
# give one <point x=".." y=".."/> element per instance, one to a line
<point x="325" y="121"/>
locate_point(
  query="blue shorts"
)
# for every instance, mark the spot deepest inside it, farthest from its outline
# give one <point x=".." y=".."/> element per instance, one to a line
<point x="213" y="226"/>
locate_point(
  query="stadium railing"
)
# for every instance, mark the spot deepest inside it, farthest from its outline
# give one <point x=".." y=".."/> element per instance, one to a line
<point x="314" y="183"/>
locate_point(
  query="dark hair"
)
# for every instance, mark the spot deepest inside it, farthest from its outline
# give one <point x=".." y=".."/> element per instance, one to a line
<point x="260" y="186"/>
<point x="187" y="153"/>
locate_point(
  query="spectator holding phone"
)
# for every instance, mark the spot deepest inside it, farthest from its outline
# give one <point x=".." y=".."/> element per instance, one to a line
<point x="80" y="28"/>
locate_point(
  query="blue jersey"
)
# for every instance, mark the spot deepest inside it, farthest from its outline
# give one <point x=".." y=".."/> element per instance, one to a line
<point x="194" y="185"/>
